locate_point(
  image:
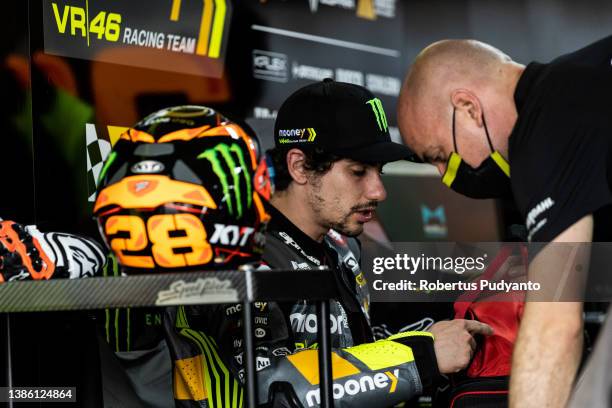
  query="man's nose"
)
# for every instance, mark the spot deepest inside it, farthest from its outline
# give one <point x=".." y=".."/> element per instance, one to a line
<point x="377" y="191"/>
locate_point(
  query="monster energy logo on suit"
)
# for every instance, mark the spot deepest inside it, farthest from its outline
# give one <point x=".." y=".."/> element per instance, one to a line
<point x="238" y="168"/>
<point x="379" y="112"/>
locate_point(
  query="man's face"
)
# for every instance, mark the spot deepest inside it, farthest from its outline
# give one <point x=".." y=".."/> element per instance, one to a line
<point x="345" y="197"/>
<point x="431" y="138"/>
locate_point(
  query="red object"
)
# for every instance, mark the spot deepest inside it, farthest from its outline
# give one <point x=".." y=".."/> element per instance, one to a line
<point x="467" y="393"/>
<point x="502" y="312"/>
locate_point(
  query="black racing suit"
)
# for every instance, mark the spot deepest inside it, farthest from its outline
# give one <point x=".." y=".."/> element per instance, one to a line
<point x="206" y="346"/>
<point x="206" y="342"/>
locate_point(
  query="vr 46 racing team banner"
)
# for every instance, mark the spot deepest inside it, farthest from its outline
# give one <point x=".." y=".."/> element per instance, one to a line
<point x="142" y="34"/>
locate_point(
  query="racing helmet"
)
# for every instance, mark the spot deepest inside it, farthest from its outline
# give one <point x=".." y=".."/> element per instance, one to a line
<point x="183" y="190"/>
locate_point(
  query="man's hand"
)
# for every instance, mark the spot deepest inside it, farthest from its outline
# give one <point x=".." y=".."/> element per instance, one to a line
<point x="454" y="343"/>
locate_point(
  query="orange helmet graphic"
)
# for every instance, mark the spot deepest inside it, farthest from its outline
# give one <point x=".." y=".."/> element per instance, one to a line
<point x="183" y="190"/>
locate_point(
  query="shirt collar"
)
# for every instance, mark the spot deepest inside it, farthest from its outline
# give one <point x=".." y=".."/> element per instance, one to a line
<point x="526" y="83"/>
<point x="280" y="223"/>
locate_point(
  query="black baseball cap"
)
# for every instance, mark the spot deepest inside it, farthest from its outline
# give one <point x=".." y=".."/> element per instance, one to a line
<point x="340" y="118"/>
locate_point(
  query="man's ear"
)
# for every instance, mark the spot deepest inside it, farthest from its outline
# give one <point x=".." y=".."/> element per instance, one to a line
<point x="465" y="101"/>
<point x="296" y="160"/>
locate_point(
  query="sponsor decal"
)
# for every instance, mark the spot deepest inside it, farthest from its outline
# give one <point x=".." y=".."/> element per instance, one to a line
<point x="347" y="4"/>
<point x="260" y="333"/>
<point x="153" y="319"/>
<point x="261" y="363"/>
<point x="233" y="158"/>
<point x="261" y="320"/>
<point x="366" y="9"/>
<point x="384" y="85"/>
<point x="358" y="385"/>
<point x="434" y="222"/>
<point x="300" y="265"/>
<point x="383" y="8"/>
<point x="379" y="113"/>
<point x="270" y="66"/>
<point x="148" y="167"/>
<point x="351" y="262"/>
<point x="233" y="309"/>
<point x="260" y="112"/>
<point x="306" y="135"/>
<point x="261" y="306"/>
<point x="534" y="213"/>
<point x="262" y="349"/>
<point x="310" y="72"/>
<point x="231" y="235"/>
<point x="141" y="186"/>
<point x="281" y="352"/>
<point x="94" y="29"/>
<point x="350" y="76"/>
<point x="23" y="275"/>
<point x="307" y="323"/>
<point x="291" y="242"/>
<point x="207" y="290"/>
<point x="361" y="280"/>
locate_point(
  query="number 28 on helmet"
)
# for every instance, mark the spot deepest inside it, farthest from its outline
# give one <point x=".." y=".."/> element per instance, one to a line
<point x="183" y="190"/>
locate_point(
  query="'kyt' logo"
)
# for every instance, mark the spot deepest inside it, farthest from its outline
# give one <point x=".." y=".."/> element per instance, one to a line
<point x="237" y="167"/>
<point x="379" y="112"/>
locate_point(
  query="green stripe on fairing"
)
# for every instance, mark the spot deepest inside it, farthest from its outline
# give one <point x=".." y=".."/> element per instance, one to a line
<point x="190" y="334"/>
<point x="129" y="329"/>
<point x="212" y="359"/>
<point x="117" y="329"/>
<point x="228" y="376"/>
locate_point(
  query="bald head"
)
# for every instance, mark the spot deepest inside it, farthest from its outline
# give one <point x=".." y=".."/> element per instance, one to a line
<point x="450" y="63"/>
<point x="453" y="74"/>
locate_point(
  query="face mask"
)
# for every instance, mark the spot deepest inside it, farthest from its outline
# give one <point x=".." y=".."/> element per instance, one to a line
<point x="489" y="180"/>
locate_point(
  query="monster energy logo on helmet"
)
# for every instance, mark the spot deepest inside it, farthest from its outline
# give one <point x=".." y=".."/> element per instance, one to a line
<point x="379" y="112"/>
<point x="230" y="183"/>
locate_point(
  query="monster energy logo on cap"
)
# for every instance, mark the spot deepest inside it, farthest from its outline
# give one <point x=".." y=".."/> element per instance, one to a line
<point x="379" y="112"/>
<point x="226" y="153"/>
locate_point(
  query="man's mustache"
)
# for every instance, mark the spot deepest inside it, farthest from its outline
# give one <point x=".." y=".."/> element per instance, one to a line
<point x="363" y="207"/>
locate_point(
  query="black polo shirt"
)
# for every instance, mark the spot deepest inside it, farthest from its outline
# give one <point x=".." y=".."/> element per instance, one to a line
<point x="560" y="146"/>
